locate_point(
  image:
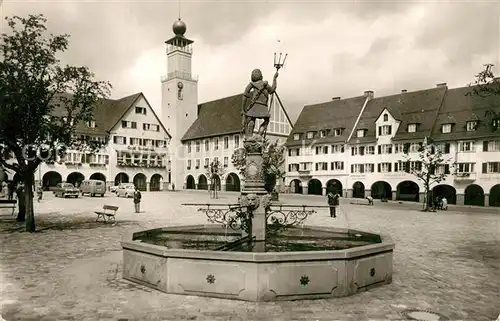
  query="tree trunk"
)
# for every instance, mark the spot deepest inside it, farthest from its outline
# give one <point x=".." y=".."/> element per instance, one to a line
<point x="28" y="193"/>
<point x="21" y="199"/>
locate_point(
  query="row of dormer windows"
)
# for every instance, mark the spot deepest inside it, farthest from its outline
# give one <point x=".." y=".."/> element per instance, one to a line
<point x="336" y="132"/>
<point x="215" y="143"/>
<point x="206" y="163"/>
<point x="134" y="141"/>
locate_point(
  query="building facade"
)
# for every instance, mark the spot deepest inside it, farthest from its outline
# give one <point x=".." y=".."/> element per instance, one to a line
<point x="204" y="132"/>
<point x="362" y="146"/>
<point x="135" y="149"/>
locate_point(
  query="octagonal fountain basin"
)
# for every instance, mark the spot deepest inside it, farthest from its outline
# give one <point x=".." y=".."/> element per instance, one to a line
<point x="298" y="263"/>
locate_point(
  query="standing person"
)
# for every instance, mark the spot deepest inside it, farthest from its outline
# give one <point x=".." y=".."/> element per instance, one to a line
<point x="10" y="188"/>
<point x="137" y="200"/>
<point x="173" y="187"/>
<point x="39" y="192"/>
<point x="332" y="202"/>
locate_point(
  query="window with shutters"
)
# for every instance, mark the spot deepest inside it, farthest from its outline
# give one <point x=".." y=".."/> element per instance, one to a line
<point x="491" y="146"/>
<point x="293" y="167"/>
<point x="337" y="166"/>
<point x="354" y="150"/>
<point x="385" y="149"/>
<point x="444" y="148"/>
<point x="306" y="166"/>
<point x="415" y="147"/>
<point x="188" y="164"/>
<point x="207" y="145"/>
<point x="226" y="142"/>
<point x="443" y="169"/>
<point x="384" y="130"/>
<point x="491" y="168"/>
<point x="325" y="150"/>
<point x="398" y="148"/>
<point x="198" y="144"/>
<point x="236" y="141"/>
<point x="337" y="149"/>
<point x="188" y="145"/>
<point x="370" y="150"/>
<point x="466" y="146"/>
<point x="384" y="167"/>
<point x="216" y="144"/>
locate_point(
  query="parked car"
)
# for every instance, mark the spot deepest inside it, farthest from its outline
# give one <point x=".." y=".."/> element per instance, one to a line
<point x="125" y="191"/>
<point x="114" y="189"/>
<point x="66" y="189"/>
<point x="93" y="187"/>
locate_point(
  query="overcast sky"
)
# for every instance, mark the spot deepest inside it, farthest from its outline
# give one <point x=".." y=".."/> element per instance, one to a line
<point x="335" y="48"/>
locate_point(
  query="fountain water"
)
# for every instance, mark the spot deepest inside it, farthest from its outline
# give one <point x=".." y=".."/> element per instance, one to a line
<point x="264" y="256"/>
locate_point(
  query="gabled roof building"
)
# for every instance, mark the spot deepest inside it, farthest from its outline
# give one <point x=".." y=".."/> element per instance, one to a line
<point x="359" y="151"/>
<point x="136" y="148"/>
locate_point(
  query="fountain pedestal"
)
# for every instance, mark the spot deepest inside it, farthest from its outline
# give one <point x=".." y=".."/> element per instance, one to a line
<point x="254" y="195"/>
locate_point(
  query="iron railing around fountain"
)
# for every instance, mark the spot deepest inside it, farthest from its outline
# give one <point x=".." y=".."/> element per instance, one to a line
<point x="237" y="217"/>
<point x="229" y="215"/>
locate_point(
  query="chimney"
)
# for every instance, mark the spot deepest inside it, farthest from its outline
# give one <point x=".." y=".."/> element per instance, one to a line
<point x="198" y="112"/>
<point x="441" y="85"/>
<point x="336" y="98"/>
<point x="403" y="91"/>
<point x="369" y="94"/>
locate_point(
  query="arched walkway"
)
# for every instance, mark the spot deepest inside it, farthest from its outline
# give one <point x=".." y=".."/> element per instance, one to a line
<point x="190" y="184"/>
<point x="335" y="186"/>
<point x="358" y="190"/>
<point x="296" y="186"/>
<point x="75" y="178"/>
<point x="233" y="183"/>
<point x="202" y="182"/>
<point x="474" y="195"/>
<point x="121" y="178"/>
<point x="495" y="196"/>
<point x="408" y="191"/>
<point x="140" y="182"/>
<point x="381" y="189"/>
<point x="155" y="183"/>
<point x="99" y="177"/>
<point x="314" y="187"/>
<point x="447" y="191"/>
<point x="51" y="179"/>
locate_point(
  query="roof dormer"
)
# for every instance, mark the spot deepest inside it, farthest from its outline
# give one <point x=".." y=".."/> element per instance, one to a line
<point x="310" y="134"/>
<point x="412" y="127"/>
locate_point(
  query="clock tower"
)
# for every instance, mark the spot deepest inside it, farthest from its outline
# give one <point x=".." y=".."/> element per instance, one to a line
<point x="179" y="98"/>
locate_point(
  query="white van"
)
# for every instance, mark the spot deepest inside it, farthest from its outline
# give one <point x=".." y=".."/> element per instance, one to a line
<point x="93" y="187"/>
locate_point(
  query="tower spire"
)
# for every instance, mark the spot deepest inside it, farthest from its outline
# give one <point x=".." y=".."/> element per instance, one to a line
<point x="179" y="7"/>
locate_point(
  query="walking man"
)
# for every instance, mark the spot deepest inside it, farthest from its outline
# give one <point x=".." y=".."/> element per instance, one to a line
<point x="39" y="192"/>
<point x="137" y="200"/>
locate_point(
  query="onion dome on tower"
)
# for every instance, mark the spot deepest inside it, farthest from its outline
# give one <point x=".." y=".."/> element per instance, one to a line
<point x="179" y="28"/>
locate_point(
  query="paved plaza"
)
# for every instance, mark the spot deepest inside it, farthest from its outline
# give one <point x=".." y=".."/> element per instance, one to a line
<point x="448" y="263"/>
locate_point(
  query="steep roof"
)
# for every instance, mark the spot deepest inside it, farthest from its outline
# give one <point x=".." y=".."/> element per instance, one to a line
<point x="107" y="113"/>
<point x="333" y="114"/>
<point x="419" y="107"/>
<point x="217" y="117"/>
<point x="461" y="106"/>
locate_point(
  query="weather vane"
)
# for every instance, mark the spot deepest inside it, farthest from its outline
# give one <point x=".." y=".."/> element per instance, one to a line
<point x="278" y="64"/>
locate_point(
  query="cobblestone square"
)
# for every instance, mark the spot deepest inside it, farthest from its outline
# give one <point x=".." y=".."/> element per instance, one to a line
<point x="448" y="263"/>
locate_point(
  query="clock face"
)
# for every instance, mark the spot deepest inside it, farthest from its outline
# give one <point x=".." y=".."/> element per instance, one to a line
<point x="180" y="85"/>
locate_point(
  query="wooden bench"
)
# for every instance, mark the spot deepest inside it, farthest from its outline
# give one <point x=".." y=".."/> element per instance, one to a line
<point x="108" y="211"/>
<point x="8" y="204"/>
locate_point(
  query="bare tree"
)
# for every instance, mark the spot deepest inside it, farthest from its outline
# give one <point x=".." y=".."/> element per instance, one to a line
<point x="487" y="85"/>
<point x="429" y="168"/>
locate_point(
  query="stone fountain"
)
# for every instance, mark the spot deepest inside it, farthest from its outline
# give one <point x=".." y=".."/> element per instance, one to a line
<point x="257" y="250"/>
